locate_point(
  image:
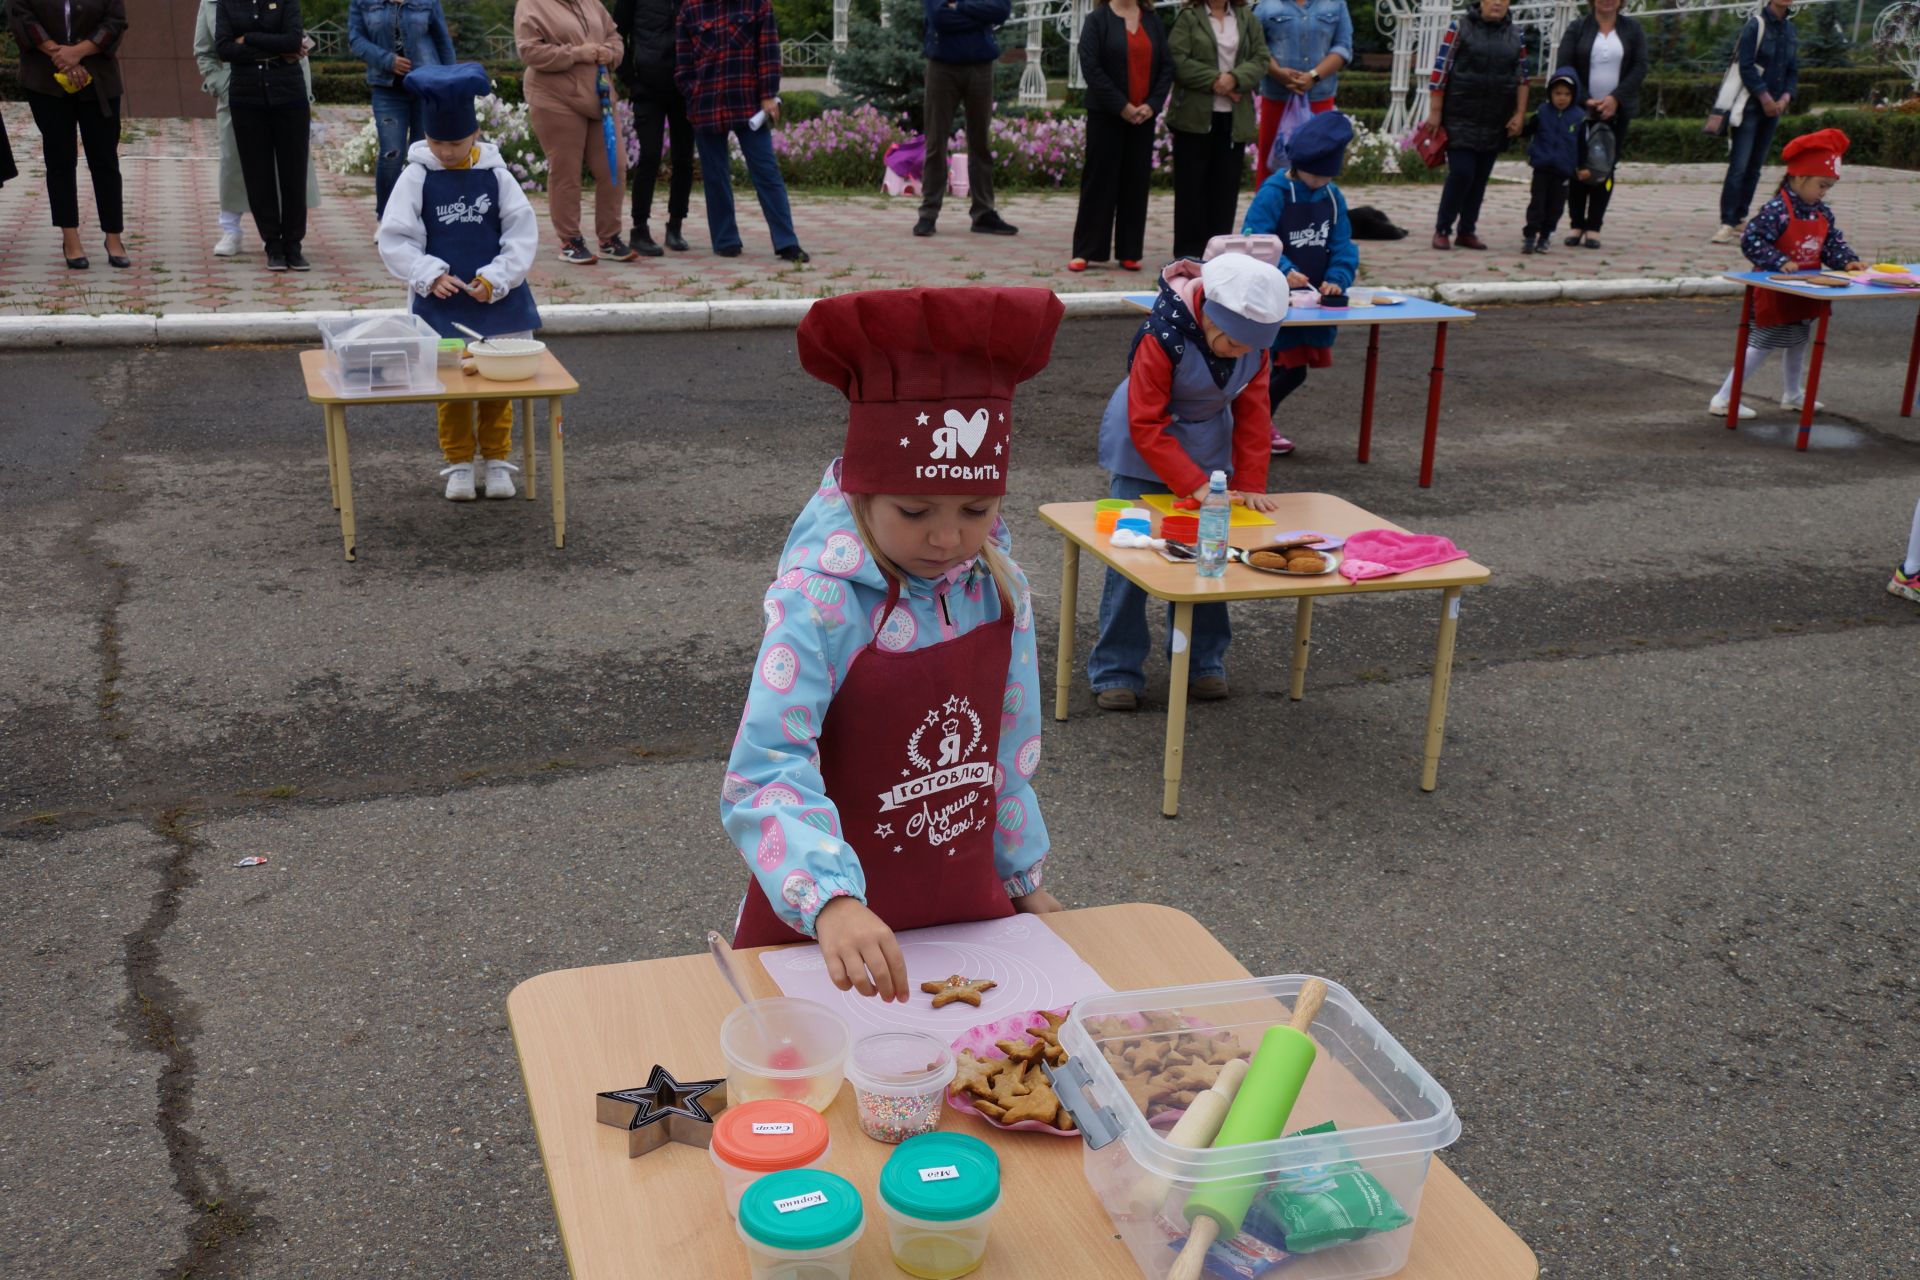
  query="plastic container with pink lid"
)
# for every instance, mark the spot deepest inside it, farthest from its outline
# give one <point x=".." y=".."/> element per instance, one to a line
<point x="757" y="1138"/>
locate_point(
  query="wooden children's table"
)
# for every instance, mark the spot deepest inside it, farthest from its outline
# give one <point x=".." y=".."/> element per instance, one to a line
<point x="551" y="384"/>
<point x="1409" y="311"/>
<point x="659" y="1217"/>
<point x="1181" y="586"/>
<point x="1758" y="280"/>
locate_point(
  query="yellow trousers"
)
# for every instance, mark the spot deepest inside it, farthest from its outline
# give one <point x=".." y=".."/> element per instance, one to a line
<point x="457" y="429"/>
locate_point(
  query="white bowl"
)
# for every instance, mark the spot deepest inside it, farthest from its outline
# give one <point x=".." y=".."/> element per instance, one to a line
<point x="507" y="359"/>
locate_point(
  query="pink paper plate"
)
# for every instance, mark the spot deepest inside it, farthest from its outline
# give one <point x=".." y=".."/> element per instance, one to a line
<point x="980" y="1041"/>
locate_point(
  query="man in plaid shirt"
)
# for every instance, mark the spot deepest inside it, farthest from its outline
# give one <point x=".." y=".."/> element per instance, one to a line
<point x="727" y="65"/>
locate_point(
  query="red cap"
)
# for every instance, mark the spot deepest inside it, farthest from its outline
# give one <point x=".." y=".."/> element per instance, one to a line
<point x="929" y="377"/>
<point x="1816" y="154"/>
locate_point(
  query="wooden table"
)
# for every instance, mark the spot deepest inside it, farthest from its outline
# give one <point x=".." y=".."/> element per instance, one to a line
<point x="1410" y="312"/>
<point x="659" y="1217"/>
<point x="551" y="383"/>
<point x="1758" y="280"/>
<point x="1183" y="587"/>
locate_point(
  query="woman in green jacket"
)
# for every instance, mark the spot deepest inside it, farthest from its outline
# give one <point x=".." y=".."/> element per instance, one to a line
<point x="1219" y="54"/>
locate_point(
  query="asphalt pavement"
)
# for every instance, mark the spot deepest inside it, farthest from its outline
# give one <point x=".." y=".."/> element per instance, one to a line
<point x="1655" y="931"/>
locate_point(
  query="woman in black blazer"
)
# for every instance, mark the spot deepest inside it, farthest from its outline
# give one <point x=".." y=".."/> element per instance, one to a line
<point x="1623" y="61"/>
<point x="1123" y="56"/>
<point x="267" y="95"/>
<point x="80" y="40"/>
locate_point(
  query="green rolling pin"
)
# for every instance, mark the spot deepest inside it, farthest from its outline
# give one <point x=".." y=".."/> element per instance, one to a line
<point x="1259" y="1114"/>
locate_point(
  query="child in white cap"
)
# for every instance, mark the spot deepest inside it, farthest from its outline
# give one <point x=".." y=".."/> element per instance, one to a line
<point x="1194" y="401"/>
<point x="458" y="229"/>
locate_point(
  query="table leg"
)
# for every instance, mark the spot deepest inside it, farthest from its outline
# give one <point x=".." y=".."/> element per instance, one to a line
<point x="1069" y="598"/>
<point x="1366" y="396"/>
<point x="345" y="464"/>
<point x="1913" y="368"/>
<point x="1181" y="642"/>
<point x="1813" y="375"/>
<point x="1435" y="378"/>
<point x="1302" y="635"/>
<point x="1740" y="359"/>
<point x="1442" y="680"/>
<point x="333" y="465"/>
<point x="556" y="446"/>
<point x="529" y="455"/>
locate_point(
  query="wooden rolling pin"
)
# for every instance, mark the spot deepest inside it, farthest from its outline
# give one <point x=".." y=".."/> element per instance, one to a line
<point x="1197" y="1128"/>
<point x="1258" y="1114"/>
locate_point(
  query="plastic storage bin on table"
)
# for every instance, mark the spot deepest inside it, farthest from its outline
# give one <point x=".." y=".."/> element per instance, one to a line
<point x="940" y="1192"/>
<point x="754" y="1139"/>
<point x="801" y="1224"/>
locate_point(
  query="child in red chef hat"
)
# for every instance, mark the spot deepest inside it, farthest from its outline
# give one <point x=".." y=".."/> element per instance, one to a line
<point x="882" y="775"/>
<point x="1794" y="231"/>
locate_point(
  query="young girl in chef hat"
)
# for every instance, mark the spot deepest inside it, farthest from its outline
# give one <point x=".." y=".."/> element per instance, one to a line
<point x="882" y="776"/>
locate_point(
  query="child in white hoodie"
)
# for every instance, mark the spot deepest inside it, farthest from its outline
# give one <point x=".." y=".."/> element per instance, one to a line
<point x="458" y="229"/>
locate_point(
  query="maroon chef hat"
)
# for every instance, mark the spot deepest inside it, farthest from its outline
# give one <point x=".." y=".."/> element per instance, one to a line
<point x="929" y="377"/>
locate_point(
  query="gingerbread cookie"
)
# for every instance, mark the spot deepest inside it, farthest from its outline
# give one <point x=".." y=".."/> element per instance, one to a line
<point x="957" y="988"/>
<point x="1015" y="1088"/>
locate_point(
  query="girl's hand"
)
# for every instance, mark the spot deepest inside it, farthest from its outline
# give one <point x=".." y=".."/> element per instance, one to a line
<point x="1039" y="902"/>
<point x="446" y="286"/>
<point x="1328" y="289"/>
<point x="1262" y="502"/>
<point x="480" y="289"/>
<point x="860" y="950"/>
<point x="1297" y="280"/>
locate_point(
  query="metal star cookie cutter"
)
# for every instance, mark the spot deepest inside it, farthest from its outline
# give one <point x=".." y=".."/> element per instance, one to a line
<point x="663" y="1110"/>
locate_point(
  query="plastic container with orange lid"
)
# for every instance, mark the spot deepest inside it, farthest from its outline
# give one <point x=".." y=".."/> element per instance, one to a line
<point x="757" y="1138"/>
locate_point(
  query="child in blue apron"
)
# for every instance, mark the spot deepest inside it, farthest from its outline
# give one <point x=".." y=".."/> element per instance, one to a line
<point x="1194" y="401"/>
<point x="1308" y="213"/>
<point x="458" y="229"/>
<point x="882" y="776"/>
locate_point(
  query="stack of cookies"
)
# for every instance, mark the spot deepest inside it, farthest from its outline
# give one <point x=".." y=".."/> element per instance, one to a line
<point x="1014" y="1088"/>
<point x="1294" y="556"/>
<point x="1165" y="1064"/>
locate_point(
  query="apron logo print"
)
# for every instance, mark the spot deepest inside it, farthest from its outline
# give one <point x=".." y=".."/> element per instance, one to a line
<point x="959" y="433"/>
<point x="461" y="211"/>
<point x="1310" y="237"/>
<point x="943" y="757"/>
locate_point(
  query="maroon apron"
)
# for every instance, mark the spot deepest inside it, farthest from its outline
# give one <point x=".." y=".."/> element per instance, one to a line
<point x="1802" y="242"/>
<point x="907" y="751"/>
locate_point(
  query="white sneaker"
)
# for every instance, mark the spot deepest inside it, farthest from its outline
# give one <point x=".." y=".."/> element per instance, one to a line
<point x="459" y="482"/>
<point x="1725" y="235"/>
<point x="1800" y="401"/>
<point x="228" y="246"/>
<point x="500" y="478"/>
<point x="1718" y="408"/>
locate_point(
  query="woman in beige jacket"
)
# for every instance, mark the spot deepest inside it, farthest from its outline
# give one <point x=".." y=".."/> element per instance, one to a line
<point x="564" y="44"/>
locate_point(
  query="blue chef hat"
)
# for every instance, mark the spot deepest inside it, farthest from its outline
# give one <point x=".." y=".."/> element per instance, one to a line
<point x="1319" y="145"/>
<point x="446" y="96"/>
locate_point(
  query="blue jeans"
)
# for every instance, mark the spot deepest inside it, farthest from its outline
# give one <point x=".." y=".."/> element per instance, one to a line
<point x="1467" y="175"/>
<point x="716" y="180"/>
<point x="400" y="118"/>
<point x="1750" y="143"/>
<point x="1119" y="657"/>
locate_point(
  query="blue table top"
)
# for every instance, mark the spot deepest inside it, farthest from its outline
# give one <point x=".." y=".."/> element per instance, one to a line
<point x="1764" y="280"/>
<point x="1412" y="311"/>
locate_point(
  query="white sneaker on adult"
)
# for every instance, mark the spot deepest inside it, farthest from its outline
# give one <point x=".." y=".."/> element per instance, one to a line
<point x="459" y="482"/>
<point x="1800" y="401"/>
<point x="1718" y="408"/>
<point x="500" y="478"/>
<point x="1725" y="235"/>
<point x="228" y="245"/>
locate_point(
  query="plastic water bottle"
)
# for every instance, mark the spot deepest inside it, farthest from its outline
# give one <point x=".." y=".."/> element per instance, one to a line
<point x="1216" y="514"/>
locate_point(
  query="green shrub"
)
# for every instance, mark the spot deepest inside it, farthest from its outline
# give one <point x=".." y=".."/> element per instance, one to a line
<point x="1888" y="138"/>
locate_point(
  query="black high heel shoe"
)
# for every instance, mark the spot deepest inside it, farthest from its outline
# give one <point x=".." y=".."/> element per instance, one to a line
<point x="75" y="264"/>
<point x="113" y="259"/>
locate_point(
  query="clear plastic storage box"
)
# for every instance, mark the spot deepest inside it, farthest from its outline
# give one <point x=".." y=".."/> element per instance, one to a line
<point x="1389" y="1115"/>
<point x="390" y="354"/>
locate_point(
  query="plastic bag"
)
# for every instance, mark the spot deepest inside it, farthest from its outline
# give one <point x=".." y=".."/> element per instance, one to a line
<point x="1294" y="113"/>
<point x="1323" y="1206"/>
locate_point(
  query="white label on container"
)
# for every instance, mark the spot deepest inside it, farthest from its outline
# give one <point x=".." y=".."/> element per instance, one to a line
<point x="773" y="1128"/>
<point x="793" y="1204"/>
<point x="940" y="1173"/>
<point x="1453" y="607"/>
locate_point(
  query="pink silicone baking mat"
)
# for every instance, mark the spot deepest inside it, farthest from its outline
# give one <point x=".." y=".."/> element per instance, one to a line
<point x="1033" y="967"/>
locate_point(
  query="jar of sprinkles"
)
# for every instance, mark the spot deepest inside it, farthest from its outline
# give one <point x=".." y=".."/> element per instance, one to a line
<point x="900" y="1081"/>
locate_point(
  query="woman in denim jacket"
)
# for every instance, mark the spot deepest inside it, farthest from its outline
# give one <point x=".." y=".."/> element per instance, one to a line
<point x="393" y="37"/>
<point x="1308" y="42"/>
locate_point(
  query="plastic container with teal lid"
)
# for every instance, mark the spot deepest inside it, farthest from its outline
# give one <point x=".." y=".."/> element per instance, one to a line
<point x="758" y="1138"/>
<point x="801" y="1224"/>
<point x="940" y="1192"/>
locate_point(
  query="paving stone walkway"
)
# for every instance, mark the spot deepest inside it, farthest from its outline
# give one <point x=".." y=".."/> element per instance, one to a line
<point x="1658" y="227"/>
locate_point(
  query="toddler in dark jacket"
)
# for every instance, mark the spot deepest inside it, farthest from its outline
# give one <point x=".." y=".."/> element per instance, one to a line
<point x="1559" y="133"/>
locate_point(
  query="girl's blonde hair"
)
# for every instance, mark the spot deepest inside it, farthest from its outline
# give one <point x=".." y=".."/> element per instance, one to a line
<point x="997" y="563"/>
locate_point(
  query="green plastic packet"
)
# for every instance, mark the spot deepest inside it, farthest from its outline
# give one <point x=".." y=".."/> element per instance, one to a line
<point x="1324" y="1205"/>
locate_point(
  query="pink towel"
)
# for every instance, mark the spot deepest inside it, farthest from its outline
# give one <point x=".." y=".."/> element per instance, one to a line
<point x="1376" y="553"/>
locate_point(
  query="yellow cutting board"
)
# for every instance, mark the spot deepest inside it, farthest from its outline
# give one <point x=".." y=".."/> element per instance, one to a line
<point x="1163" y="503"/>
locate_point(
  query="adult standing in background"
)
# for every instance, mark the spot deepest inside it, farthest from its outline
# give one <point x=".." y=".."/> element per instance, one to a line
<point x="1478" y="93"/>
<point x="961" y="51"/>
<point x="263" y="42"/>
<point x="647" y="71"/>
<point x="1219" y="54"/>
<point x="1608" y="51"/>
<point x="565" y="44"/>
<point x="1129" y="72"/>
<point x="214" y="76"/>
<point x="393" y="37"/>
<point x="1308" y="42"/>
<point x="75" y="41"/>
<point x="1768" y="54"/>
